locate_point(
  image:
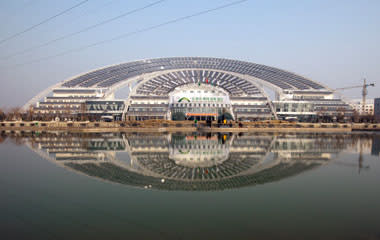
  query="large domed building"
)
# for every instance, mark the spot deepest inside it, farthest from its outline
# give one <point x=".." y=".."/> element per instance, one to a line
<point x="190" y="88"/>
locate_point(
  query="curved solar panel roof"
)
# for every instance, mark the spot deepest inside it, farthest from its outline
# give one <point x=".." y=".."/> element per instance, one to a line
<point x="109" y="76"/>
<point x="165" y="83"/>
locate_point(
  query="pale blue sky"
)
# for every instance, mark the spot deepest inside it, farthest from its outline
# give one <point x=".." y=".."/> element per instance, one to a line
<point x="332" y="42"/>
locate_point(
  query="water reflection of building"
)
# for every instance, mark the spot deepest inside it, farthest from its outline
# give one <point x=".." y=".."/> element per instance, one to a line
<point x="194" y="158"/>
<point x="189" y="162"/>
<point x="375" y="145"/>
<point x="79" y="147"/>
<point x="362" y="143"/>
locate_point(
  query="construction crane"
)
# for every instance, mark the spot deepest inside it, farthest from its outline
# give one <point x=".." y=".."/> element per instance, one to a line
<point x="364" y="91"/>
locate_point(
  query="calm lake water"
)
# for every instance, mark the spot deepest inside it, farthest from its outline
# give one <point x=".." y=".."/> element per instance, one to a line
<point x="189" y="186"/>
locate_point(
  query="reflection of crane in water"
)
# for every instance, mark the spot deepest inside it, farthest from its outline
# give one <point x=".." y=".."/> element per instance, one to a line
<point x="360" y="161"/>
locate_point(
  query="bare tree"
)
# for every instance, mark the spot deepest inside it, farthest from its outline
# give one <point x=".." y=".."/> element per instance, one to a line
<point x="2" y="115"/>
<point x="30" y="114"/>
<point x="14" y="114"/>
<point x="340" y="114"/>
<point x="320" y="114"/>
<point x="355" y="116"/>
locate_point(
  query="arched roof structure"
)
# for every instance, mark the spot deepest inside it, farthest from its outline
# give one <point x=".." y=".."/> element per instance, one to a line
<point x="164" y="74"/>
<point x="112" y="75"/>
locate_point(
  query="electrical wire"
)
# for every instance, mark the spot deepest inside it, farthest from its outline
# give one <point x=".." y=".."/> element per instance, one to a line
<point x="12" y="11"/>
<point x="74" y="50"/>
<point x="83" y="30"/>
<point x="42" y="22"/>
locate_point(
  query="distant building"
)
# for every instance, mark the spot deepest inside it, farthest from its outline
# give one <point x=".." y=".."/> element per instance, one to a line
<point x="357" y="105"/>
<point x="377" y="109"/>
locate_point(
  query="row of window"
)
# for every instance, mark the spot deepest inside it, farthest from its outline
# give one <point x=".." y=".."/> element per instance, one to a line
<point x="293" y="105"/>
<point x="59" y="106"/>
<point x="251" y="110"/>
<point x="249" y="103"/>
<point x="103" y="107"/>
<point x="333" y="109"/>
<point x="133" y="102"/>
<point x="200" y="145"/>
<point x="200" y="91"/>
<point x="308" y="97"/>
<point x="62" y="100"/>
<point x="199" y="105"/>
<point x="197" y="110"/>
<point x="137" y="109"/>
<point x="53" y="112"/>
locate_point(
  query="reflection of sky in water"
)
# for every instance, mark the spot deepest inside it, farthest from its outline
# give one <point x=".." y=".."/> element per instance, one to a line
<point x="195" y="161"/>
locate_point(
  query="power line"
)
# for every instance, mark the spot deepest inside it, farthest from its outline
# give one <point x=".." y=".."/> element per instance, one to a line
<point x="83" y="30"/>
<point x="42" y="22"/>
<point x="131" y="33"/>
<point x="11" y="12"/>
<point x="98" y="8"/>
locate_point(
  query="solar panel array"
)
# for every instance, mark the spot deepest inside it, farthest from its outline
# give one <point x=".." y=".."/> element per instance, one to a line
<point x="109" y="76"/>
<point x="163" y="84"/>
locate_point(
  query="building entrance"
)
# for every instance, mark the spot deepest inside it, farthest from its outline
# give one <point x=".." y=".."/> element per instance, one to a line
<point x="199" y="102"/>
<point x="201" y="117"/>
